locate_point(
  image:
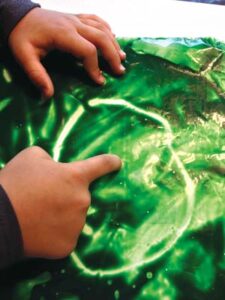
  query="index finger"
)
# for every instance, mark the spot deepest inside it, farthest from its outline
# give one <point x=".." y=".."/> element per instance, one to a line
<point x="98" y="166"/>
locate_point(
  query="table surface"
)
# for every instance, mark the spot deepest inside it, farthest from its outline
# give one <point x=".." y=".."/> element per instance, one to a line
<point x="160" y="18"/>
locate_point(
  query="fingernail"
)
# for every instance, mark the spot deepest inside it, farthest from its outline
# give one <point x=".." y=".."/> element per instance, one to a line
<point x="123" y="53"/>
<point x="122" y="68"/>
<point x="101" y="79"/>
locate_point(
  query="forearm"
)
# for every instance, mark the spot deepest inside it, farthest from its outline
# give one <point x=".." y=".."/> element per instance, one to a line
<point x="11" y="12"/>
<point x="11" y="246"/>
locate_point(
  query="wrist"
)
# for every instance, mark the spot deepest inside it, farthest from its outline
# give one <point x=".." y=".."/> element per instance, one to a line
<point x="12" y="12"/>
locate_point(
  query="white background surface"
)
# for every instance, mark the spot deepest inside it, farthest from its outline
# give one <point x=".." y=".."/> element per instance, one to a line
<point x="152" y="18"/>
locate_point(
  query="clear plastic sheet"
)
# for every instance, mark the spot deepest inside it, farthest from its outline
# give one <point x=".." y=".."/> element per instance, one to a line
<point x="155" y="230"/>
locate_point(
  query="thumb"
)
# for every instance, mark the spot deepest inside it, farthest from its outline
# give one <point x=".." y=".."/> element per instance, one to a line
<point x="97" y="166"/>
<point x="31" y="64"/>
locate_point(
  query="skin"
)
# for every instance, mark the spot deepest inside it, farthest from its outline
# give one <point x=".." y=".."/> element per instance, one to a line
<point x="51" y="199"/>
<point x="41" y="31"/>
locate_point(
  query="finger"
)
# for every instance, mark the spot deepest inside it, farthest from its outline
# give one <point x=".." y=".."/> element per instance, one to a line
<point x="98" y="166"/>
<point x="81" y="48"/>
<point x="94" y="18"/>
<point x="101" y="40"/>
<point x="101" y="26"/>
<point x="31" y="64"/>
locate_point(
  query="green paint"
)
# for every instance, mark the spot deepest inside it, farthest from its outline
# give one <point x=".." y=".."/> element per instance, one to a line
<point x="155" y="229"/>
<point x="23" y="290"/>
<point x="117" y="295"/>
<point x="160" y="288"/>
<point x="6" y="76"/>
<point x="4" y="103"/>
<point x="149" y="275"/>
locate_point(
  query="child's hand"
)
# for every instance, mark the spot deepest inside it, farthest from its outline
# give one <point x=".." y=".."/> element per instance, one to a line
<point x="51" y="199"/>
<point x="41" y="31"/>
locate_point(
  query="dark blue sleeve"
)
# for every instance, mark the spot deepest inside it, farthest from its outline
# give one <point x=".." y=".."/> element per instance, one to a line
<point x="11" y="12"/>
<point x="11" y="244"/>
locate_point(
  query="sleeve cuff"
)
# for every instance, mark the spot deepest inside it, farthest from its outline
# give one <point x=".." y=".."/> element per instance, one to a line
<point x="11" y="12"/>
<point x="11" y="243"/>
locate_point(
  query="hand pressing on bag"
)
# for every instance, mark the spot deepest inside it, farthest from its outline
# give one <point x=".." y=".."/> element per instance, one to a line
<point x="51" y="199"/>
<point x="41" y="31"/>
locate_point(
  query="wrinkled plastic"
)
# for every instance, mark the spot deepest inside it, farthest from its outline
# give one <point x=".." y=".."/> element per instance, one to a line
<point x="155" y="230"/>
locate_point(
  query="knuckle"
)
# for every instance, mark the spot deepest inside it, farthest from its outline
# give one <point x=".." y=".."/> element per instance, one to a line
<point x="102" y="36"/>
<point x="81" y="16"/>
<point x="93" y="16"/>
<point x="85" y="201"/>
<point x="66" y="31"/>
<point x="101" y="27"/>
<point x="64" y="26"/>
<point x="71" y="20"/>
<point x="91" y="50"/>
<point x="69" y="17"/>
